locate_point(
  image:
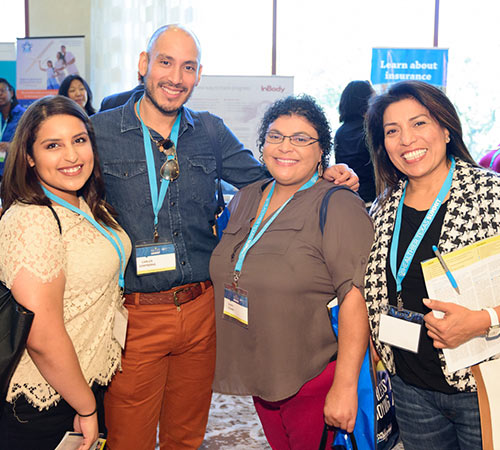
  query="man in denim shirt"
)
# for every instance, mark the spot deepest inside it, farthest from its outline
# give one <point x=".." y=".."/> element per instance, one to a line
<point x="168" y="363"/>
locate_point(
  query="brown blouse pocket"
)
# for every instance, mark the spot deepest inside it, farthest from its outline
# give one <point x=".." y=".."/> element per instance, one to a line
<point x="279" y="236"/>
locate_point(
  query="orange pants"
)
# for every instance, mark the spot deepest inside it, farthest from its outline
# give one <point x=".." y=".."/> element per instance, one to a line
<point x="166" y="378"/>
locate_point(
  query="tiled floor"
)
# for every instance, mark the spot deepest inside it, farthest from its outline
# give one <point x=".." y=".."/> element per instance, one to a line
<point x="234" y="425"/>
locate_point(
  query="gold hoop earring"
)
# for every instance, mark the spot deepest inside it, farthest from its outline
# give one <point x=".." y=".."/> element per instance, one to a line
<point x="320" y="170"/>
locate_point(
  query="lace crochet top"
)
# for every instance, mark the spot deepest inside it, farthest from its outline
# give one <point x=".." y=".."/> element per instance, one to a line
<point x="30" y="240"/>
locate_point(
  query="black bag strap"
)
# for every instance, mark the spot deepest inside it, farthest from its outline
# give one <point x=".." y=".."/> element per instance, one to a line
<point x="324" y="437"/>
<point x="323" y="210"/>
<point x="53" y="211"/>
<point x="212" y="134"/>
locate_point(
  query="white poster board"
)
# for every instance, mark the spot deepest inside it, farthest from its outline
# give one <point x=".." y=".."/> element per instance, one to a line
<point x="240" y="100"/>
<point x="43" y="63"/>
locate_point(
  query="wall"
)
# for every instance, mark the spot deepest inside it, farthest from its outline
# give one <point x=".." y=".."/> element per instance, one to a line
<point x="61" y="18"/>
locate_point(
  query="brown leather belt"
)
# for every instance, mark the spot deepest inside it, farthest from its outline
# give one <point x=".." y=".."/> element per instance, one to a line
<point x="175" y="296"/>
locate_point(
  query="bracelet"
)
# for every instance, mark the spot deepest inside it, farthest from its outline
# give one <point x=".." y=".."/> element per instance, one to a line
<point x="88" y="415"/>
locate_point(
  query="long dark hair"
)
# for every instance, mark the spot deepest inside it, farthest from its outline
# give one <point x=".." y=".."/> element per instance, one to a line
<point x="387" y="176"/>
<point x="354" y="100"/>
<point x="304" y="106"/>
<point x="64" y="88"/>
<point x="20" y="182"/>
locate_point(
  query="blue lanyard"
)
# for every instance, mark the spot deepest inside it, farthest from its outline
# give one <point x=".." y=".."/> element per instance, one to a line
<point x="104" y="230"/>
<point x="253" y="237"/>
<point x="4" y="125"/>
<point x="157" y="198"/>
<point x="419" y="235"/>
<point x="494" y="157"/>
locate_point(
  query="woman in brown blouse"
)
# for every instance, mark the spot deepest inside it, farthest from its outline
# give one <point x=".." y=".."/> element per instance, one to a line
<point x="274" y="272"/>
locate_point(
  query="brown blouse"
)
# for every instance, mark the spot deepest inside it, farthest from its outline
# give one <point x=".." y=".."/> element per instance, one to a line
<point x="290" y="274"/>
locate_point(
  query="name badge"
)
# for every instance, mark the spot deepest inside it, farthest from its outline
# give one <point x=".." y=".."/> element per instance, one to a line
<point x="236" y="305"/>
<point x="401" y="328"/>
<point x="120" y="326"/>
<point x="154" y="257"/>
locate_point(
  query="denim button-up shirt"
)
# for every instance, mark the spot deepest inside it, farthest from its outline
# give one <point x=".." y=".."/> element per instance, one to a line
<point x="187" y="216"/>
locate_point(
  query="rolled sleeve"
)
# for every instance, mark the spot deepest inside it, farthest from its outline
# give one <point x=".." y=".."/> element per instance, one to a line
<point x="347" y="240"/>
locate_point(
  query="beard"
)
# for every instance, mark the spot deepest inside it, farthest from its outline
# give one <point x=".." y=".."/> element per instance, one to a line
<point x="163" y="109"/>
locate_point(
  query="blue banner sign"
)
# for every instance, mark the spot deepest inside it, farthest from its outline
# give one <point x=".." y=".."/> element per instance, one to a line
<point x="390" y="65"/>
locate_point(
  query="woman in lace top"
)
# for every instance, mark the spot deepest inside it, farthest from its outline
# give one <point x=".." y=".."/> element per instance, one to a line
<point x="60" y="266"/>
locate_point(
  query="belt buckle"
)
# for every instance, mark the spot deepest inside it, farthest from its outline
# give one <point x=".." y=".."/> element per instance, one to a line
<point x="176" y="300"/>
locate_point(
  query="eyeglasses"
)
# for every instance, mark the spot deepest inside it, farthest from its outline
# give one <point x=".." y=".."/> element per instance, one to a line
<point x="300" y="140"/>
<point x="170" y="168"/>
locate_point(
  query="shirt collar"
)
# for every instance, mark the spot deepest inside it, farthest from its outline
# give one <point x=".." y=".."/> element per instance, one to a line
<point x="129" y="120"/>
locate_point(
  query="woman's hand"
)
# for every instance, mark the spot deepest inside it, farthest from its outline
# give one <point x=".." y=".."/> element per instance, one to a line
<point x="458" y="325"/>
<point x="341" y="406"/>
<point x="342" y="174"/>
<point x="88" y="427"/>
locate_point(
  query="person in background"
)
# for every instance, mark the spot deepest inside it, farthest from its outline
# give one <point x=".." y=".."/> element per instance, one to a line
<point x="491" y="160"/>
<point x="115" y="100"/>
<point x="430" y="193"/>
<point x="51" y="74"/>
<point x="69" y="61"/>
<point x="168" y="364"/>
<point x="60" y="266"/>
<point x="277" y="344"/>
<point x="11" y="112"/>
<point x="350" y="139"/>
<point x="77" y="89"/>
<point x="59" y="67"/>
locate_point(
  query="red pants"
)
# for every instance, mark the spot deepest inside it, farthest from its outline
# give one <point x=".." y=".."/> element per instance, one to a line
<point x="297" y="422"/>
<point x="167" y="373"/>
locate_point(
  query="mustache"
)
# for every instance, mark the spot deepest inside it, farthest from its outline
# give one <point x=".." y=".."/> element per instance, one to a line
<point x="173" y="85"/>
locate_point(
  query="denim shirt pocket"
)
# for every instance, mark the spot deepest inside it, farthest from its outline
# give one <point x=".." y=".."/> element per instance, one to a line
<point x="202" y="175"/>
<point x="127" y="183"/>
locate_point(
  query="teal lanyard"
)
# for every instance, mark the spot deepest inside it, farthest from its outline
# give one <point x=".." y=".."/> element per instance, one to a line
<point x="104" y="230"/>
<point x="253" y="237"/>
<point x="400" y="274"/>
<point x="494" y="157"/>
<point x="4" y="126"/>
<point x="157" y="198"/>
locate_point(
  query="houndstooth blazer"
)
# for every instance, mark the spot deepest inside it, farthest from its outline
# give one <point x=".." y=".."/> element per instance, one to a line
<point x="472" y="213"/>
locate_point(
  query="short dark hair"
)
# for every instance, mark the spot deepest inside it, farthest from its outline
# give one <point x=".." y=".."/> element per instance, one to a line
<point x="354" y="100"/>
<point x="12" y="90"/>
<point x="20" y="181"/>
<point x="304" y="106"/>
<point x="387" y="176"/>
<point x="64" y="88"/>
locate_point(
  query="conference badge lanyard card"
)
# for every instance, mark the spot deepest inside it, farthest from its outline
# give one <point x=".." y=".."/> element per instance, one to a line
<point x="236" y="305"/>
<point x="121" y="313"/>
<point x="157" y="254"/>
<point x="400" y="327"/>
<point x="154" y="256"/>
<point x="236" y="298"/>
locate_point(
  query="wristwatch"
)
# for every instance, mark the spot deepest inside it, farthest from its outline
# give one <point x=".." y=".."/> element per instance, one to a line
<point x="494" y="329"/>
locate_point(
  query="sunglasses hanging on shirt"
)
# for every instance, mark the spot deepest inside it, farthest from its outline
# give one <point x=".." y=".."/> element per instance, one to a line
<point x="170" y="168"/>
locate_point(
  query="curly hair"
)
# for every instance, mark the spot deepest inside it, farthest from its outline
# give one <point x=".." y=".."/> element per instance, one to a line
<point x="304" y="106"/>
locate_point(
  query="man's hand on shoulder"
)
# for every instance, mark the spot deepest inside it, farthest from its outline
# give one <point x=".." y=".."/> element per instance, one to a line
<point x="342" y="174"/>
